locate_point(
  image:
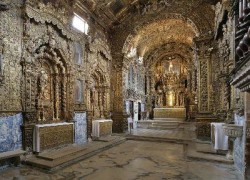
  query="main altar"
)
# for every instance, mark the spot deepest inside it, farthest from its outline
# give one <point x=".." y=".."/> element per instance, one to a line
<point x="170" y="89"/>
<point x="170" y="113"/>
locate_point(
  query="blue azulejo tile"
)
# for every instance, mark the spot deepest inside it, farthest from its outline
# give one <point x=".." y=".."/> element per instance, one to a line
<point x="10" y="133"/>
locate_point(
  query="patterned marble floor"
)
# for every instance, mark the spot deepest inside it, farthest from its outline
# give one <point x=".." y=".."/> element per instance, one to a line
<point x="133" y="160"/>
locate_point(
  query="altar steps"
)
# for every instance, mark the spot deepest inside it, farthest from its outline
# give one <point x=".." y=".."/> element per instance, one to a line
<point x="159" y="124"/>
<point x="56" y="159"/>
<point x="170" y="119"/>
<point x="203" y="151"/>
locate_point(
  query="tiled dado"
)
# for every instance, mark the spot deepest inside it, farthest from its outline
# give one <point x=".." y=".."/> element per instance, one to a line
<point x="80" y="128"/>
<point x="10" y="133"/>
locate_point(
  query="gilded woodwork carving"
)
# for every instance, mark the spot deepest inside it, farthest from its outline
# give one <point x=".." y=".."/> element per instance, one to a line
<point x="105" y="128"/>
<point x="203" y="126"/>
<point x="204" y="51"/>
<point x="49" y="77"/>
<point x="10" y="56"/>
<point x="98" y="84"/>
<point x="46" y="14"/>
<point x="27" y="137"/>
<point x="46" y="78"/>
<point x="138" y="30"/>
<point x="54" y="136"/>
<point x="170" y="113"/>
<point x="64" y="75"/>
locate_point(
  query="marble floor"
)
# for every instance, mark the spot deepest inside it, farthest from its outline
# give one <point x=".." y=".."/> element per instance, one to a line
<point x="133" y="160"/>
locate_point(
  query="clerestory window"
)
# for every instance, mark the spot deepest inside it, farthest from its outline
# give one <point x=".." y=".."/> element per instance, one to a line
<point x="80" y="24"/>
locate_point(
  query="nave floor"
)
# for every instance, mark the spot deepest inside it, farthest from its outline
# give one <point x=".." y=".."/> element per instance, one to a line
<point x="133" y="160"/>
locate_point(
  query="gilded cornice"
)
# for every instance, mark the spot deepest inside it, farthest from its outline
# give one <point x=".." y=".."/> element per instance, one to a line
<point x="100" y="46"/>
<point x="47" y="15"/>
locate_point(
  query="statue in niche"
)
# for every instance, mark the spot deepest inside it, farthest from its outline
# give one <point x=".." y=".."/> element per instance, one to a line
<point x="94" y="100"/>
<point x="42" y="87"/>
<point x="181" y="99"/>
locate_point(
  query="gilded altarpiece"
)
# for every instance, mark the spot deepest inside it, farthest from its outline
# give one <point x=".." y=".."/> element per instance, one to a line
<point x="98" y="81"/>
<point x="49" y="72"/>
<point x="205" y="50"/>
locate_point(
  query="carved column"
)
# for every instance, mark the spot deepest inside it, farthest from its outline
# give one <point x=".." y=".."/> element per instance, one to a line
<point x="106" y="102"/>
<point x="204" y="116"/>
<point x="56" y="98"/>
<point x="101" y="101"/>
<point x="63" y="96"/>
<point x="204" y="58"/>
<point x="119" y="115"/>
<point x="89" y="112"/>
<point x="194" y="79"/>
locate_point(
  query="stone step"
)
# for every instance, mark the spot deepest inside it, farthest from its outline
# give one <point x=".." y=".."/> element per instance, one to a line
<point x="155" y="139"/>
<point x="208" y="149"/>
<point x="56" y="159"/>
<point x="209" y="157"/>
<point x="169" y="119"/>
<point x="62" y="153"/>
<point x="10" y="154"/>
<point x="156" y="124"/>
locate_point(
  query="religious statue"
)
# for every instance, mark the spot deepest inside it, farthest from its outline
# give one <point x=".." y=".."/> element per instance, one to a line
<point x="43" y="82"/>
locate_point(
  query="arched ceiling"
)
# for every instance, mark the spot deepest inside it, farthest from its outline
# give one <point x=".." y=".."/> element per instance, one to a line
<point x="162" y="32"/>
<point x="168" y="50"/>
<point x="115" y="12"/>
<point x="148" y="25"/>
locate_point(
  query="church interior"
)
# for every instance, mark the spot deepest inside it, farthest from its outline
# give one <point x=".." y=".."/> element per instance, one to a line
<point x="125" y="89"/>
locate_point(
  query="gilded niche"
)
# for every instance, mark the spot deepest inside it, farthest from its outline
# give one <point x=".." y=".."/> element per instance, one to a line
<point x="47" y="77"/>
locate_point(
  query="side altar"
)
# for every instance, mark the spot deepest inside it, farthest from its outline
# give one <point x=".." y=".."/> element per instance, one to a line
<point x="164" y="113"/>
<point x="47" y="136"/>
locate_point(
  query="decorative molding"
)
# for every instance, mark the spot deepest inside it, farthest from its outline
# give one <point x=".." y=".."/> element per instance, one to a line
<point x="43" y="15"/>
